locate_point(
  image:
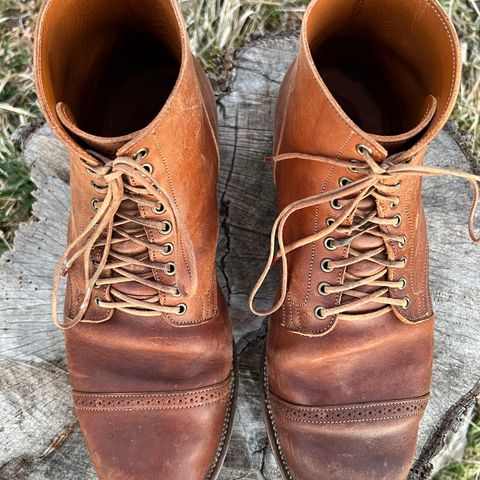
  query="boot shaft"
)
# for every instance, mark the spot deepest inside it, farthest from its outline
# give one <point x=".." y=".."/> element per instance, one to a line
<point x="122" y="82"/>
<point x="375" y="77"/>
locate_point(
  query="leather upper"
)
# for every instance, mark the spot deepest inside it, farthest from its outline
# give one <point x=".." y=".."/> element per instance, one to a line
<point x="114" y="353"/>
<point x="319" y="365"/>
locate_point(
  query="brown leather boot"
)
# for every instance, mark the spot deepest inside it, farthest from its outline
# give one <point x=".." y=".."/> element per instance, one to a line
<point x="350" y="341"/>
<point x="148" y="336"/>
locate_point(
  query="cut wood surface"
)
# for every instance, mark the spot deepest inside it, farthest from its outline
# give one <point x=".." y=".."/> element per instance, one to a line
<point x="39" y="435"/>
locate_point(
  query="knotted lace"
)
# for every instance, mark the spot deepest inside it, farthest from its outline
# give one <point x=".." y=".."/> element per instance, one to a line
<point x="357" y="200"/>
<point x="126" y="186"/>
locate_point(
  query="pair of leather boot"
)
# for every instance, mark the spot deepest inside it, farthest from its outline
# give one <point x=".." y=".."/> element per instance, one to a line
<point x="148" y="337"/>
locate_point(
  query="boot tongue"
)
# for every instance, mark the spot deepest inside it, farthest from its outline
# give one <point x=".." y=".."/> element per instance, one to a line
<point x="108" y="146"/>
<point x="395" y="143"/>
<point x="367" y="242"/>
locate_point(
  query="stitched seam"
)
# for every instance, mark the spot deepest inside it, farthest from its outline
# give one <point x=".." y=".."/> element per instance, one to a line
<point x="351" y="421"/>
<point x="142" y="408"/>
<point x="341" y="272"/>
<point x="365" y="406"/>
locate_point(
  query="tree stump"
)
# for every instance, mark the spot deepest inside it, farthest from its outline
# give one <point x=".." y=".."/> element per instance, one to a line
<point x="40" y="438"/>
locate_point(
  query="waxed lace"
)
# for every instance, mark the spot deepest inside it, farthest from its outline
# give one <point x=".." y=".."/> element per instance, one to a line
<point x="126" y="186"/>
<point x="379" y="182"/>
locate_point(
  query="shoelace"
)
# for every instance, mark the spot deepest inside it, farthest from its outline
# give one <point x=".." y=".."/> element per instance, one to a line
<point x="379" y="182"/>
<point x="125" y="185"/>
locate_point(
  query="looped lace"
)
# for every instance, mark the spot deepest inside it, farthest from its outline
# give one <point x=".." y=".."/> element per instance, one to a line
<point x="357" y="200"/>
<point x="126" y="186"/>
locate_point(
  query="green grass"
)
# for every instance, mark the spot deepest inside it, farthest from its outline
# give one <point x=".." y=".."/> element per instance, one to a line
<point x="216" y="28"/>
<point x="469" y="469"/>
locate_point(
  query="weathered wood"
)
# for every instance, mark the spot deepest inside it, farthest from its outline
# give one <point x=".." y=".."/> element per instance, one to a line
<point x="39" y="437"/>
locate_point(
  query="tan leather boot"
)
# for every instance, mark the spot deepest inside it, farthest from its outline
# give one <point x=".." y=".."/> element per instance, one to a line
<point x="350" y="341"/>
<point x="148" y="336"/>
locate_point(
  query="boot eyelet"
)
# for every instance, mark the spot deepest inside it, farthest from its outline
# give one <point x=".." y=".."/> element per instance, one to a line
<point x="394" y="204"/>
<point x="398" y="220"/>
<point x="182" y="309"/>
<point x="97" y="187"/>
<point x="171" y="269"/>
<point x="141" y="154"/>
<point x="363" y="149"/>
<point x="322" y="288"/>
<point x="336" y="205"/>
<point x="90" y="171"/>
<point x="97" y="301"/>
<point x="148" y="168"/>
<point x="95" y="203"/>
<point x="167" y="228"/>
<point x="404" y="261"/>
<point x="325" y="265"/>
<point x="404" y="284"/>
<point x="344" y="181"/>
<point x="319" y="313"/>
<point x="330" y="222"/>
<point x="353" y="169"/>
<point x="168" y="249"/>
<point x="329" y="244"/>
<point x="177" y="293"/>
<point x="407" y="303"/>
<point x="159" y="209"/>
<point x="95" y="262"/>
<point x="403" y="242"/>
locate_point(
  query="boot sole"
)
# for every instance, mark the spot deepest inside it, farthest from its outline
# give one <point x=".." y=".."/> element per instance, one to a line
<point x="269" y="421"/>
<point x="227" y="425"/>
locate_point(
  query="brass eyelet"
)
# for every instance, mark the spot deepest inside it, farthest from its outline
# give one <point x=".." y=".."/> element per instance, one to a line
<point x="97" y="187"/>
<point x="353" y="169"/>
<point x="404" y="284"/>
<point x="403" y="242"/>
<point x="160" y="209"/>
<point x="330" y="222"/>
<point x="141" y="154"/>
<point x="95" y="203"/>
<point x="319" y="313"/>
<point x="363" y="149"/>
<point x="182" y="309"/>
<point x="148" y="167"/>
<point x="168" y="249"/>
<point x="321" y="288"/>
<point x="399" y="220"/>
<point x="167" y="228"/>
<point x="344" y="181"/>
<point x="404" y="261"/>
<point x="407" y="303"/>
<point x="329" y="244"/>
<point x="171" y="269"/>
<point x="336" y="205"/>
<point x="324" y="265"/>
